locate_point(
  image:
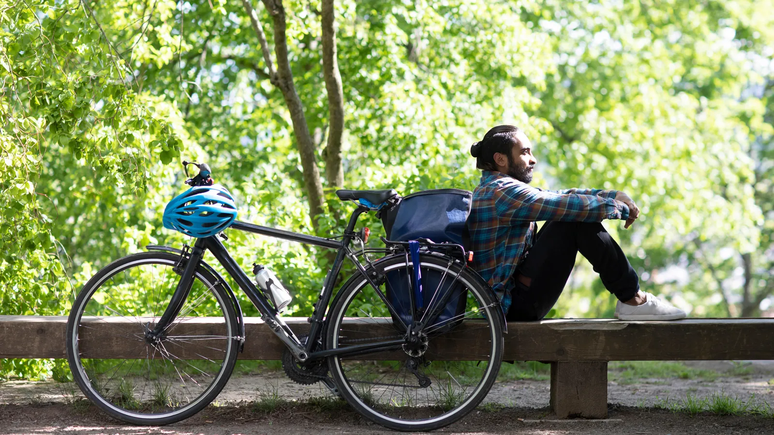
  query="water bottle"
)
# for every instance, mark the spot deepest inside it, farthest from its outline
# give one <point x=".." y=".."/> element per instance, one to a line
<point x="272" y="286"/>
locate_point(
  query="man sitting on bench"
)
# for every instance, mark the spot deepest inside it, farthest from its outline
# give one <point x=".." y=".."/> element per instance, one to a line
<point x="528" y="271"/>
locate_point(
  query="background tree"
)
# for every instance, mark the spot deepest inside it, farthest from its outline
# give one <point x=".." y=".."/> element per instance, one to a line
<point x="659" y="99"/>
<point x="74" y="135"/>
<point x="669" y="101"/>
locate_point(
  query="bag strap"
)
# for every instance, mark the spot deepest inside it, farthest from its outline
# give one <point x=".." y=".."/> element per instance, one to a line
<point x="414" y="250"/>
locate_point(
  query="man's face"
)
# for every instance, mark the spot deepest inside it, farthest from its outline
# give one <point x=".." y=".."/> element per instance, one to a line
<point x="521" y="162"/>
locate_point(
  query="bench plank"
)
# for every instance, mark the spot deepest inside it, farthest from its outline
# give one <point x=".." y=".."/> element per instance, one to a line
<point x="613" y="340"/>
<point x="578" y="349"/>
<point x="566" y="340"/>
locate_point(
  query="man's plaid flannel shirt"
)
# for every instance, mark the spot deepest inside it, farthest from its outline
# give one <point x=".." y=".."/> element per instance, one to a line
<point x="502" y="222"/>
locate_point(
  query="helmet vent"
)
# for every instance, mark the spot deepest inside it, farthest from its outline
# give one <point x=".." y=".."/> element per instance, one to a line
<point x="185" y="222"/>
<point x="194" y="192"/>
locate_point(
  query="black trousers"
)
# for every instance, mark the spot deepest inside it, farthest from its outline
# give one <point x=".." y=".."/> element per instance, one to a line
<point x="551" y="259"/>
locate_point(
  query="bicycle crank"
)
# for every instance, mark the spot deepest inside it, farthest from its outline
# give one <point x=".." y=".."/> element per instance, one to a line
<point x="305" y="373"/>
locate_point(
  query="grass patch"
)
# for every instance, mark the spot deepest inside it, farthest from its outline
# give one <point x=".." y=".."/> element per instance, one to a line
<point x="740" y="369"/>
<point x="161" y="396"/>
<point x="623" y="372"/>
<point x="629" y="372"/>
<point x="256" y="367"/>
<point x="723" y="404"/>
<point x="450" y="397"/>
<point x="717" y="404"/>
<point x="491" y="407"/>
<point x="270" y="401"/>
<point x="520" y="370"/>
<point x="694" y="405"/>
<point x="125" y="397"/>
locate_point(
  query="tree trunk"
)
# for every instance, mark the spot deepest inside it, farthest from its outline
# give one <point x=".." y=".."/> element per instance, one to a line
<point x="284" y="82"/>
<point x="333" y="170"/>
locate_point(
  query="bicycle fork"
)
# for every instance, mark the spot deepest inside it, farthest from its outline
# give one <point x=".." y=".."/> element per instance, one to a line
<point x="191" y="261"/>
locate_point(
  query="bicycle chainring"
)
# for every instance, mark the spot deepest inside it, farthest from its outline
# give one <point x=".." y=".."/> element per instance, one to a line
<point x="303" y="373"/>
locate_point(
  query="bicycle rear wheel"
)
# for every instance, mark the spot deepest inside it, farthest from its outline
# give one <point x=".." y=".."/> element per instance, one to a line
<point x="437" y="379"/>
<point x="142" y="380"/>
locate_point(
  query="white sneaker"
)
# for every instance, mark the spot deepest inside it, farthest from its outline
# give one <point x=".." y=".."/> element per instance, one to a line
<point x="653" y="309"/>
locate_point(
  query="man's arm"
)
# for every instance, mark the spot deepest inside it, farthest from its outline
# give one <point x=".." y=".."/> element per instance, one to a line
<point x="520" y="202"/>
<point x="600" y="192"/>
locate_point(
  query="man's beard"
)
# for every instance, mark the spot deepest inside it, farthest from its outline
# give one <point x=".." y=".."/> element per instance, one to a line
<point x="522" y="174"/>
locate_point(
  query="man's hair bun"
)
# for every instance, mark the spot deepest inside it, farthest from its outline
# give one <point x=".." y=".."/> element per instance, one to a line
<point x="500" y="139"/>
<point x="475" y="149"/>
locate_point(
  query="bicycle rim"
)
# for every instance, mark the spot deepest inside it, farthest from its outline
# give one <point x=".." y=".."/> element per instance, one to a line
<point x="397" y="389"/>
<point x="143" y="381"/>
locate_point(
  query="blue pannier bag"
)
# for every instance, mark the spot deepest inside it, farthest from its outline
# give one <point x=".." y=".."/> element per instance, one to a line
<point x="437" y="215"/>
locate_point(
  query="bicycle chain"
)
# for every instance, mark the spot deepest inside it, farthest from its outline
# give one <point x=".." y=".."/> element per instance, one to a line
<point x="358" y="340"/>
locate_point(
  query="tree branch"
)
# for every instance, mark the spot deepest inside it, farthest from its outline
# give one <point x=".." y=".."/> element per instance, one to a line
<point x="241" y="62"/>
<point x="562" y="133"/>
<point x="107" y="41"/>
<point x="333" y="170"/>
<point x="202" y="58"/>
<point x="747" y="305"/>
<point x="730" y="309"/>
<point x="262" y="38"/>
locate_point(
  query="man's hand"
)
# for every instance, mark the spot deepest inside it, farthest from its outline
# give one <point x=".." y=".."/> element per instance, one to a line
<point x="634" y="211"/>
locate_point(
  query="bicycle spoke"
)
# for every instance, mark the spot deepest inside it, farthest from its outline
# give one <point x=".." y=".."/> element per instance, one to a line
<point x="436" y="294"/>
<point x="177" y="374"/>
<point x="436" y="326"/>
<point x="414" y="390"/>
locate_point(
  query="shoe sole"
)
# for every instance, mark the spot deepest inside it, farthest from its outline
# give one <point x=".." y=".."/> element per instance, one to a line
<point x="651" y="317"/>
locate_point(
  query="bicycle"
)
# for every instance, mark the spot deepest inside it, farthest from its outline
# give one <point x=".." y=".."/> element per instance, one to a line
<point x="153" y="337"/>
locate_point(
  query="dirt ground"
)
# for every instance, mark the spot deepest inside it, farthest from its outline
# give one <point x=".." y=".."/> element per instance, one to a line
<point x="515" y="407"/>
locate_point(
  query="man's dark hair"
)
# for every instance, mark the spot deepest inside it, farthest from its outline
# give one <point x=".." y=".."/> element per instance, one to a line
<point x="500" y="139"/>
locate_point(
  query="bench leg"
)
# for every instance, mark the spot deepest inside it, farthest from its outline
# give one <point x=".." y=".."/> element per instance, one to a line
<point x="579" y="389"/>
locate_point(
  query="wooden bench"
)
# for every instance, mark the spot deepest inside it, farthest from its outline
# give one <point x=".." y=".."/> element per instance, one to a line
<point x="577" y="349"/>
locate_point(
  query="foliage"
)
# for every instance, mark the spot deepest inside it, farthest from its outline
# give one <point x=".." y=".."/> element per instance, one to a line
<point x="663" y="100"/>
<point x="670" y="101"/>
<point x="75" y="139"/>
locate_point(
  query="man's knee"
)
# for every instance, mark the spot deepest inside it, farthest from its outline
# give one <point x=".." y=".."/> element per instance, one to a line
<point x="573" y="227"/>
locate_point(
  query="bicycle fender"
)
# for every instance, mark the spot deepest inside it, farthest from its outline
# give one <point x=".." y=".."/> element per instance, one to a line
<point x="219" y="277"/>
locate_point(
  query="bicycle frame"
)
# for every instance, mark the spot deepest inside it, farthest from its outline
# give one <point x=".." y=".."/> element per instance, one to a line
<point x="302" y="351"/>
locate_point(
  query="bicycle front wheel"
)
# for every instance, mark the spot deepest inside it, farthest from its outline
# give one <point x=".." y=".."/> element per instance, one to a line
<point x="437" y="374"/>
<point x="132" y="376"/>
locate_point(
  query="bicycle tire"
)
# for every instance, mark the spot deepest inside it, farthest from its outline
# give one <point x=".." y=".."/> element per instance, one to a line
<point x="381" y="386"/>
<point x="128" y="376"/>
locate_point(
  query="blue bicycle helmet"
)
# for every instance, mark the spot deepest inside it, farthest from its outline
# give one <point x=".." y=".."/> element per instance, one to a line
<point x="201" y="211"/>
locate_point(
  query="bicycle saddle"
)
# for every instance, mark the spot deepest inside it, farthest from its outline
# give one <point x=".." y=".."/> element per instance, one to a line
<point x="373" y="196"/>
